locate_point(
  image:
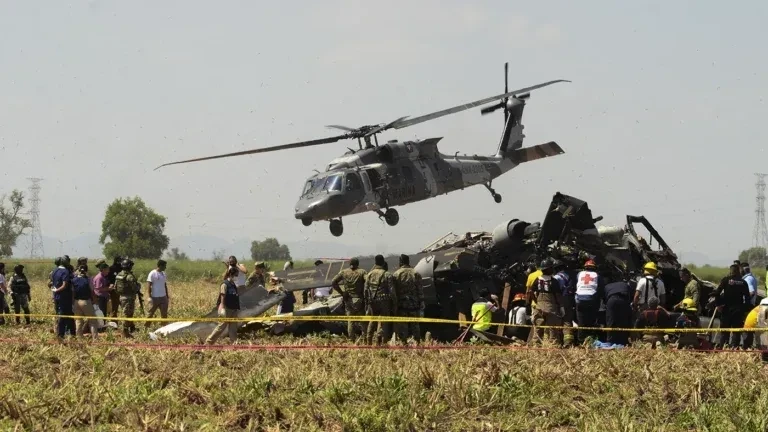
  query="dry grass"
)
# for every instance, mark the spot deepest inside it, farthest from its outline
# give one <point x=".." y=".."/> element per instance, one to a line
<point x="45" y="386"/>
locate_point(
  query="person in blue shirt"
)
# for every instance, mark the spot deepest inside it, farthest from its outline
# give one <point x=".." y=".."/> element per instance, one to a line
<point x="63" y="299"/>
<point x="751" y="281"/>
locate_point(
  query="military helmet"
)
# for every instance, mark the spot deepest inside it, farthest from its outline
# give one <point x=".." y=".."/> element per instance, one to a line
<point x="65" y="259"/>
<point x="127" y="264"/>
<point x="546" y="264"/>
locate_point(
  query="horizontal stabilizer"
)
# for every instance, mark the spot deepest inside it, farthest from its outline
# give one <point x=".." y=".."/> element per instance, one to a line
<point x="536" y="152"/>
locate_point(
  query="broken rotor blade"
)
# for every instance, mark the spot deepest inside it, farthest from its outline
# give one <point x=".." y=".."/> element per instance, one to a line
<point x="266" y="149"/>
<point x="463" y="107"/>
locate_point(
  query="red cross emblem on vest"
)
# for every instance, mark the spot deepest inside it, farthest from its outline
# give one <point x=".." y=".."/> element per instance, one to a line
<point x="587" y="279"/>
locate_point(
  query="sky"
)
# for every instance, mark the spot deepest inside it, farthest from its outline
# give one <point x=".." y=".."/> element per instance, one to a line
<point x="663" y="117"/>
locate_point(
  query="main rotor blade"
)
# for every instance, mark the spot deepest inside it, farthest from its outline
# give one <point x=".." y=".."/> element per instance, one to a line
<point x="459" y="108"/>
<point x="386" y="126"/>
<point x="265" y="149"/>
<point x="344" y="128"/>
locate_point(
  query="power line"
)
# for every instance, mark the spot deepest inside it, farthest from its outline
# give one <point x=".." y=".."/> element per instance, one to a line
<point x="36" y="233"/>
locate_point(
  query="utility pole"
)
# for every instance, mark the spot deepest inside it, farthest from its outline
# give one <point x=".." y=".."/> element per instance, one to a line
<point x="36" y="233"/>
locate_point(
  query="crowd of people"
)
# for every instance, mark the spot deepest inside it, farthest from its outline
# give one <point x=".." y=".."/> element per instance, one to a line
<point x="581" y="302"/>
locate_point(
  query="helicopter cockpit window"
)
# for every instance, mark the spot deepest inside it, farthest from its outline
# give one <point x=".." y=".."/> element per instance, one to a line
<point x="307" y="187"/>
<point x="353" y="182"/>
<point x="333" y="183"/>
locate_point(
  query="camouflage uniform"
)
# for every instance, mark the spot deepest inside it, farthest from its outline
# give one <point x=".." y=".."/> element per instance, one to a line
<point x="127" y="287"/>
<point x="410" y="301"/>
<point x="256" y="278"/>
<point x="352" y="284"/>
<point x="692" y="291"/>
<point x="380" y="300"/>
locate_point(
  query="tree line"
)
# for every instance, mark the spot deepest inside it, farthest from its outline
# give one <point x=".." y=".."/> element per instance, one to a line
<point x="129" y="228"/>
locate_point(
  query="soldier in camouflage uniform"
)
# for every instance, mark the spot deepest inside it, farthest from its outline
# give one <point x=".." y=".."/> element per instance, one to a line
<point x="127" y="287"/>
<point x="410" y="299"/>
<point x="692" y="288"/>
<point x="257" y="276"/>
<point x="380" y="300"/>
<point x="352" y="291"/>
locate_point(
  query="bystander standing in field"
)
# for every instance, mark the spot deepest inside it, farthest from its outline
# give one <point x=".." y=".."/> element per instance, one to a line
<point x="83" y="296"/>
<point x="4" y="309"/>
<point x="751" y="281"/>
<point x="20" y="293"/>
<point x="288" y="266"/>
<point x="242" y="272"/>
<point x="101" y="286"/>
<point x="62" y="297"/>
<point x="157" y="286"/>
<point x="56" y="264"/>
<point x="228" y="307"/>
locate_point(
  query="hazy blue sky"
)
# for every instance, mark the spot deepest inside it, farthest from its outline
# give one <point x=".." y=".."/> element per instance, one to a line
<point x="665" y="116"/>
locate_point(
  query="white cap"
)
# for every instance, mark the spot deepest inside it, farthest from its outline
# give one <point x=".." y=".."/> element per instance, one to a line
<point x="764" y="302"/>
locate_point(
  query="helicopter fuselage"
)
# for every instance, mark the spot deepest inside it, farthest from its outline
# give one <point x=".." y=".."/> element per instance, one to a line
<point x="390" y="175"/>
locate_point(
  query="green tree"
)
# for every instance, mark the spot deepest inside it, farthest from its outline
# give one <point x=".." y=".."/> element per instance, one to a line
<point x="133" y="230"/>
<point x="269" y="249"/>
<point x="755" y="256"/>
<point x="11" y="224"/>
<point x="176" y="255"/>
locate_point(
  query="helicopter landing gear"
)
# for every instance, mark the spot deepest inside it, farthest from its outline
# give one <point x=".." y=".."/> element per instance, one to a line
<point x="306" y="221"/>
<point x="337" y="228"/>
<point x="496" y="197"/>
<point x="391" y="216"/>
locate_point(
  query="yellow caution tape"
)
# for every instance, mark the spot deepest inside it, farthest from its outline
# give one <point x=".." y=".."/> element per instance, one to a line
<point x="394" y="319"/>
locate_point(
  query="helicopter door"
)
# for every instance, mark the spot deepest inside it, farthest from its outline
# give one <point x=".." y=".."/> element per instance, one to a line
<point x="353" y="188"/>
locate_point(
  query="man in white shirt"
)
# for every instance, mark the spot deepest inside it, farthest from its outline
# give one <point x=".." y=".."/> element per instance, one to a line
<point x="157" y="287"/>
<point x="648" y="287"/>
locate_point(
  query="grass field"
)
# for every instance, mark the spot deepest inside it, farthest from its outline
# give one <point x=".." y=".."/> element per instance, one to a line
<point x="82" y="386"/>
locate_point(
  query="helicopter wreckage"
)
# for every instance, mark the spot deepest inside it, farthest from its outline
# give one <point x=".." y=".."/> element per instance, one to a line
<point x="455" y="268"/>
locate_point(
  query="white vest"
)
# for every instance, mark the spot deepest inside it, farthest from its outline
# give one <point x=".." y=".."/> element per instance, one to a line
<point x="586" y="283"/>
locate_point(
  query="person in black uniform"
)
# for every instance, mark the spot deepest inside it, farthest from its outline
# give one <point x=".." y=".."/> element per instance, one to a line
<point x="733" y="299"/>
<point x="618" y="311"/>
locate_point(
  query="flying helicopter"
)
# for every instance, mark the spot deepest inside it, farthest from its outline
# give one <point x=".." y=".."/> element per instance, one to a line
<point x="378" y="177"/>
